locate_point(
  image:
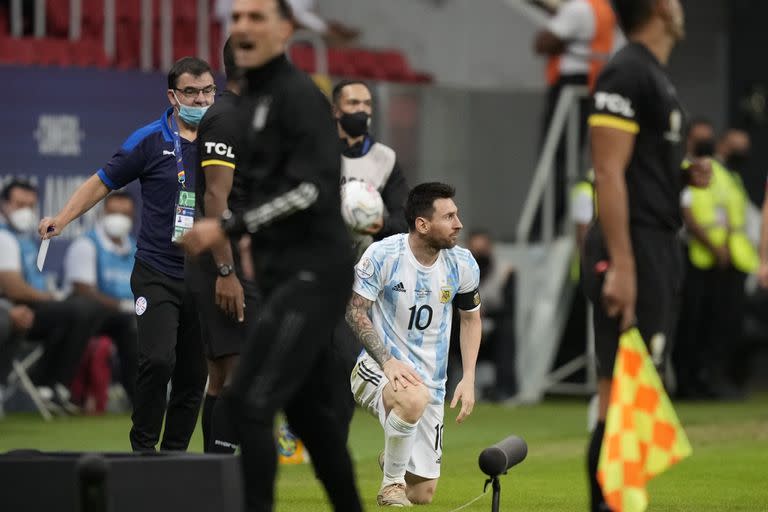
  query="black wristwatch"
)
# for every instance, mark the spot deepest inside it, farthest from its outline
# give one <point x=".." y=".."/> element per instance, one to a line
<point x="225" y="269"/>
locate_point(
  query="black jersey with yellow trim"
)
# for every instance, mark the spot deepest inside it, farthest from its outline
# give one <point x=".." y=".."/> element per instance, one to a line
<point x="634" y="94"/>
<point x="218" y="142"/>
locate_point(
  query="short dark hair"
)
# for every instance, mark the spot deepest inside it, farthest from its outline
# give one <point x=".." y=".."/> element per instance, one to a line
<point x="284" y="9"/>
<point x="421" y="200"/>
<point x="5" y="195"/>
<point x="698" y="121"/>
<point x="191" y="65"/>
<point x="118" y="194"/>
<point x="231" y="71"/>
<point x="633" y="14"/>
<point x="336" y="94"/>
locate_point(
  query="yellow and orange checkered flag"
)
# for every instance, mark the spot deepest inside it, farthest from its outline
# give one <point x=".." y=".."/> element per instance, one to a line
<point x="643" y="436"/>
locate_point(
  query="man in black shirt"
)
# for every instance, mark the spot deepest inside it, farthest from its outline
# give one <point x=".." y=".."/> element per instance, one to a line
<point x="303" y="260"/>
<point x="632" y="260"/>
<point x="216" y="278"/>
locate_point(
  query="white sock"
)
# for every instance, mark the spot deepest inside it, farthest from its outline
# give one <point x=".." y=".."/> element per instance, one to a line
<point x="399" y="436"/>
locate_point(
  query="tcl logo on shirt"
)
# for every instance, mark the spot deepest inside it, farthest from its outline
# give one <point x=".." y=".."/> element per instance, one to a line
<point x="219" y="148"/>
<point x="614" y="103"/>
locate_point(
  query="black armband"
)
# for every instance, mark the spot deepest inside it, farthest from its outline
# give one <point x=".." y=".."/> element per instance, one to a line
<point x="467" y="301"/>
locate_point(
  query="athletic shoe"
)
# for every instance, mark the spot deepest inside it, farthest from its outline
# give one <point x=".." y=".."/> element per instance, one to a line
<point x="393" y="496"/>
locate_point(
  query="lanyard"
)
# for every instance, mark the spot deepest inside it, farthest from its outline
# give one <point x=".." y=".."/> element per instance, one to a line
<point x="366" y="146"/>
<point x="181" y="175"/>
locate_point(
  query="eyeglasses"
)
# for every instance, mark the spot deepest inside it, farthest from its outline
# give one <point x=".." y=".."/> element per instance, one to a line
<point x="191" y="92"/>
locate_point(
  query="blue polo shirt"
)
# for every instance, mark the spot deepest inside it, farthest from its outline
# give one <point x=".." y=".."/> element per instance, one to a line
<point x="147" y="155"/>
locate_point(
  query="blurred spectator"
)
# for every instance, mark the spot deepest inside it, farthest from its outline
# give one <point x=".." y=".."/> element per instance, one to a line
<point x="497" y="288"/>
<point x="63" y="327"/>
<point x="719" y="257"/>
<point x="578" y="41"/>
<point x="98" y="265"/>
<point x="304" y="17"/>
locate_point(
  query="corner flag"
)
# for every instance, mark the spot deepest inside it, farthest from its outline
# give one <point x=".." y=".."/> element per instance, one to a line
<point x="643" y="436"/>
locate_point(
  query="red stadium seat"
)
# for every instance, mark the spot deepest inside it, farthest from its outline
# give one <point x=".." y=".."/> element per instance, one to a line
<point x="340" y="63"/>
<point x="52" y="52"/>
<point x="87" y="53"/>
<point x="57" y="18"/>
<point x="303" y="57"/>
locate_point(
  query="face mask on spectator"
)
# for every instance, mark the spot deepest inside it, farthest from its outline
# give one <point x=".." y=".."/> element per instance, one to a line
<point x="704" y="147"/>
<point x="117" y="225"/>
<point x="355" y="124"/>
<point x="23" y="220"/>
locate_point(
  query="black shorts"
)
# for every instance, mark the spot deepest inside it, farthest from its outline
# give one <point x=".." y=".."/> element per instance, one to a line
<point x="659" y="266"/>
<point x="222" y="334"/>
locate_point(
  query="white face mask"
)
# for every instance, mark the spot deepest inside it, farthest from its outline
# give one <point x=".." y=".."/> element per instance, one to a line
<point x="117" y="225"/>
<point x="23" y="220"/>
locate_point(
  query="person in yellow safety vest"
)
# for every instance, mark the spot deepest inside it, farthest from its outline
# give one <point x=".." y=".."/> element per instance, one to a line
<point x="732" y="152"/>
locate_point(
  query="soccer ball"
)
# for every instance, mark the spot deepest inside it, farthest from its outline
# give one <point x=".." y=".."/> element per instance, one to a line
<point x="361" y="204"/>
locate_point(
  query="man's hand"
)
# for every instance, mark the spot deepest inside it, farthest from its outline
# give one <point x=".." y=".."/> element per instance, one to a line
<point x="700" y="173"/>
<point x="205" y="234"/>
<point x="723" y="256"/>
<point x="620" y="295"/>
<point x="21" y="317"/>
<point x="373" y="228"/>
<point x="46" y="224"/>
<point x="398" y="371"/>
<point x="762" y="275"/>
<point x="230" y="297"/>
<point x="465" y="391"/>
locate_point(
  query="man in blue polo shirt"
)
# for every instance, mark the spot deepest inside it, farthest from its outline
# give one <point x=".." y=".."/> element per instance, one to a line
<point x="162" y="156"/>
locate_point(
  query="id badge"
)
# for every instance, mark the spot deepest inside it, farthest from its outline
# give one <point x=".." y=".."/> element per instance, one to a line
<point x="184" y="217"/>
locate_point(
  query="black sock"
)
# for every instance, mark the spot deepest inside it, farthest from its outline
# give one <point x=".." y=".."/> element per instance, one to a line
<point x="208" y="405"/>
<point x="224" y="438"/>
<point x="593" y="457"/>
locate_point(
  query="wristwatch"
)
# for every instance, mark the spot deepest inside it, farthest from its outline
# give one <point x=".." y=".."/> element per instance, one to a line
<point x="225" y="269"/>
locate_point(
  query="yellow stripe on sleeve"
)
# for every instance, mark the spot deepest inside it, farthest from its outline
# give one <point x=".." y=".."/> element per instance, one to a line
<point x="206" y="163"/>
<point x="609" y="121"/>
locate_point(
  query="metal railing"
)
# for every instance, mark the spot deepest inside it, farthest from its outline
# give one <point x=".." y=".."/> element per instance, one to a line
<point x="566" y="120"/>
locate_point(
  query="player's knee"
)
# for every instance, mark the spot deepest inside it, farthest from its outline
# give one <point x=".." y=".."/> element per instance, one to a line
<point x="411" y="402"/>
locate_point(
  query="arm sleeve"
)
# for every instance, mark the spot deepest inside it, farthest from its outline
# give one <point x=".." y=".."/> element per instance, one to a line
<point x="468" y="296"/>
<point x="311" y="172"/>
<point x="368" y="274"/>
<point x="217" y="139"/>
<point x="573" y="21"/>
<point x="394" y="195"/>
<point x="80" y="263"/>
<point x="126" y="165"/>
<point x="616" y="100"/>
<point x="10" y="256"/>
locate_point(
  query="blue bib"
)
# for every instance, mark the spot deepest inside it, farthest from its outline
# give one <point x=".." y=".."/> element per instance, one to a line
<point x="113" y="270"/>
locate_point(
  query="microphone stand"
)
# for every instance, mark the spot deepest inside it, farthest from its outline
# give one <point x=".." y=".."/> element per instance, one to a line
<point x="496" y="487"/>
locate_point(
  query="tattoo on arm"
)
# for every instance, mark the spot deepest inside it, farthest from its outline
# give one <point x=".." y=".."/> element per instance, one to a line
<point x="357" y="318"/>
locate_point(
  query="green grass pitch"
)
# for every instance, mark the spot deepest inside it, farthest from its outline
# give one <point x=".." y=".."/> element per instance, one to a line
<point x="727" y="471"/>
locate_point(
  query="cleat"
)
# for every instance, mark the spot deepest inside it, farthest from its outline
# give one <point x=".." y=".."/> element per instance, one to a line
<point x="393" y="496"/>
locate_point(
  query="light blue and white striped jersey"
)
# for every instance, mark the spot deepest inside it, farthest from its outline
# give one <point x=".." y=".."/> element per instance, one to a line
<point x="413" y="304"/>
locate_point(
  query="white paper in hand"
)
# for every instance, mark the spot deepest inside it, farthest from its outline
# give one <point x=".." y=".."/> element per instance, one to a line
<point x="43" y="252"/>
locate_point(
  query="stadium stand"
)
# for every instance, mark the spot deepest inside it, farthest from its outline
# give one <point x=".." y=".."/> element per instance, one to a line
<point x="56" y="49"/>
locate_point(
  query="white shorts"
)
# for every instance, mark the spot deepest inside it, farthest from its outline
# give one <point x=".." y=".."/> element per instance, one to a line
<point x="368" y="381"/>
